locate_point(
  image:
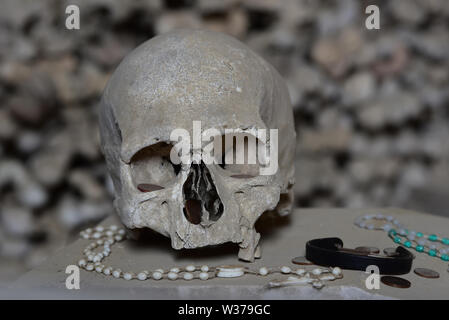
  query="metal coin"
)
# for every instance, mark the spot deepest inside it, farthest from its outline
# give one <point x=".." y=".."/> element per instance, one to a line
<point x="390" y="252"/>
<point x="368" y="250"/>
<point x="426" y="273"/>
<point x="395" y="282"/>
<point x="301" y="261"/>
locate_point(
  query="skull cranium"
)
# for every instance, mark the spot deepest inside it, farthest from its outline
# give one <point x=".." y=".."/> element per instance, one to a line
<point x="167" y="83"/>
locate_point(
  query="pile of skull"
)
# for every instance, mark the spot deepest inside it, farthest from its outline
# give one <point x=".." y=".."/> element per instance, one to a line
<point x="106" y="237"/>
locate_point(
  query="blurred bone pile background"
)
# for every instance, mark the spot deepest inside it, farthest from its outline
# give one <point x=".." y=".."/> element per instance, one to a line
<point x="371" y="106"/>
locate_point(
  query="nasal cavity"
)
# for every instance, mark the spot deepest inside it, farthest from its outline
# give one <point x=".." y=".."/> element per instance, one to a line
<point x="201" y="201"/>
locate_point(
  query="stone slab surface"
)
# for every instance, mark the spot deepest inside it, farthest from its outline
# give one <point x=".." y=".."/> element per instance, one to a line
<point x="282" y="239"/>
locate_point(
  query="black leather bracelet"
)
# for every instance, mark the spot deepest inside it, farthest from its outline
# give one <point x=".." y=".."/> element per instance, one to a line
<point x="330" y="252"/>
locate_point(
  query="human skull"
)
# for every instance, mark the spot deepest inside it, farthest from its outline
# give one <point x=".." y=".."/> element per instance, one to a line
<point x="167" y="83"/>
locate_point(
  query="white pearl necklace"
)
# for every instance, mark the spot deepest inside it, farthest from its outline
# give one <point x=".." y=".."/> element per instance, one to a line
<point x="107" y="237"/>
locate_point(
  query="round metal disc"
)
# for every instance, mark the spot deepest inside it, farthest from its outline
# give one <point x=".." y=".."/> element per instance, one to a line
<point x="301" y="261"/>
<point x="395" y="282"/>
<point x="390" y="252"/>
<point x="369" y="250"/>
<point x="426" y="273"/>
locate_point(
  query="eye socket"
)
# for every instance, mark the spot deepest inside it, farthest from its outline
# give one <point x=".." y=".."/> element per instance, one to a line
<point x="151" y="168"/>
<point x="239" y="157"/>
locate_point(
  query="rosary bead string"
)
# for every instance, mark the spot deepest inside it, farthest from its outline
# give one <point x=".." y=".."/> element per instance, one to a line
<point x="432" y="244"/>
<point x="105" y="237"/>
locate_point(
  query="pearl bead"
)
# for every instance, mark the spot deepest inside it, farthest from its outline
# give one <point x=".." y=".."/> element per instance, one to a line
<point x="300" y="272"/>
<point x="263" y="271"/>
<point x="285" y="269"/>
<point x="336" y="271"/>
<point x="188" y="276"/>
<point x="175" y="270"/>
<point x="113" y="227"/>
<point x="96" y="235"/>
<point x="89" y="267"/>
<point x="317" y="284"/>
<point x="85" y="236"/>
<point x="159" y="270"/>
<point x="99" y="228"/>
<point x="172" y="276"/>
<point x="107" y="271"/>
<point x="82" y="263"/>
<point x="142" y="276"/>
<point x="99" y="268"/>
<point x="328" y="277"/>
<point x="204" y="268"/>
<point x="127" y="276"/>
<point x="316" y="271"/>
<point x="190" y="268"/>
<point x="109" y="233"/>
<point x="116" y="273"/>
<point x="118" y="238"/>
<point x="121" y="232"/>
<point x="90" y="257"/>
<point x="204" y="276"/>
<point x="157" y="275"/>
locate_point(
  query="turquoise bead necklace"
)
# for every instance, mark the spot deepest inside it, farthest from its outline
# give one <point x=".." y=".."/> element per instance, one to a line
<point x="432" y="244"/>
